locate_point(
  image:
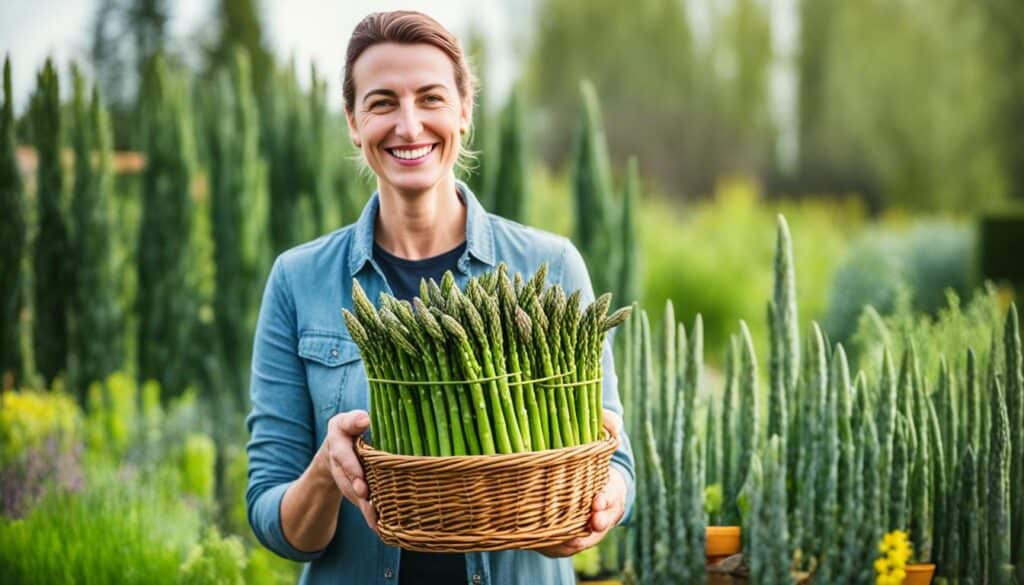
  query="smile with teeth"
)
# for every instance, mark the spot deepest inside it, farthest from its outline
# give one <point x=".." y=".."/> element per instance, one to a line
<point x="413" y="154"/>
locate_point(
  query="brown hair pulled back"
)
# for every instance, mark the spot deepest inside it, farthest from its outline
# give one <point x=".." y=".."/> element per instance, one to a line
<point x="405" y="27"/>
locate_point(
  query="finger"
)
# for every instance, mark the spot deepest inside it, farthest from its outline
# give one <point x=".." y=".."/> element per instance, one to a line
<point x="353" y="423"/>
<point x="604" y="521"/>
<point x="369" y="513"/>
<point x="360" y="488"/>
<point x="344" y="456"/>
<point x="588" y="541"/>
<point x="612" y="421"/>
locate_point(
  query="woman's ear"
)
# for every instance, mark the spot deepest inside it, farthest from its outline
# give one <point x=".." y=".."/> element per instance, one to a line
<point x="352" y="131"/>
<point x="466" y="116"/>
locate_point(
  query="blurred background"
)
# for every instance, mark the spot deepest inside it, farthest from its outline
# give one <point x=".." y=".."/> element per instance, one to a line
<point x="663" y="136"/>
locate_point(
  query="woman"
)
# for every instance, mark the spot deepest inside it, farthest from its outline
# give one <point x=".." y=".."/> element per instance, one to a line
<point x="408" y="98"/>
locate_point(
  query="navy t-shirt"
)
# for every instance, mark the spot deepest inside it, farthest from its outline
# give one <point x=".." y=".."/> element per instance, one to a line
<point x="404" y="278"/>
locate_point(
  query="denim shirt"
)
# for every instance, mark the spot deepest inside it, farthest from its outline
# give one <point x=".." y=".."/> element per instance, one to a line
<point x="306" y="369"/>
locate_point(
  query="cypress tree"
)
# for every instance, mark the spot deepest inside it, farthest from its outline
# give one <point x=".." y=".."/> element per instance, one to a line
<point x="317" y="165"/>
<point x="52" y="263"/>
<point x="628" y="288"/>
<point x="480" y="138"/>
<point x="97" y="342"/>
<point x="292" y="207"/>
<point x="238" y="208"/>
<point x="508" y="186"/>
<point x="591" y="183"/>
<point x="12" y="241"/>
<point x="166" y="302"/>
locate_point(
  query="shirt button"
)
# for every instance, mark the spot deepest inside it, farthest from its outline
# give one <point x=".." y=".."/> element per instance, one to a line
<point x="477" y="579"/>
<point x="334" y="353"/>
<point x="389" y="574"/>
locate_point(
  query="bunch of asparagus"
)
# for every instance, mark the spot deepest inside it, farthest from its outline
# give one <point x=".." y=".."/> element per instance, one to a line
<point x="507" y="366"/>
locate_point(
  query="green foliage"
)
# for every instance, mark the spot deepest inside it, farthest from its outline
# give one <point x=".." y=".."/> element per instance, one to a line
<point x="718" y="260"/>
<point x="53" y="268"/>
<point x="167" y="303"/>
<point x="292" y="138"/>
<point x="883" y="266"/>
<point x="238" y="206"/>
<point x="12" y="240"/>
<point x="628" y="283"/>
<point x="215" y="560"/>
<point x="592" y="191"/>
<point x="480" y="140"/>
<point x="29" y="418"/>
<point x="768" y="549"/>
<point x="198" y="461"/>
<point x="954" y="328"/>
<point x="897" y="94"/>
<point x="508" y="189"/>
<point x="96" y="342"/>
<point x="118" y="530"/>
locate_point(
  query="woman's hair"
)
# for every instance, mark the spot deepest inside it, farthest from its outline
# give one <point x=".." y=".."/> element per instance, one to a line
<point x="408" y="27"/>
<point x="405" y="27"/>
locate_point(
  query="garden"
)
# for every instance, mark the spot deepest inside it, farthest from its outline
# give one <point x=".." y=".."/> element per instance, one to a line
<point x="815" y="314"/>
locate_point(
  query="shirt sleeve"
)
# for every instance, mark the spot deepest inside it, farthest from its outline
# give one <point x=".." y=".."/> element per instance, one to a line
<point x="575" y="277"/>
<point x="281" y="422"/>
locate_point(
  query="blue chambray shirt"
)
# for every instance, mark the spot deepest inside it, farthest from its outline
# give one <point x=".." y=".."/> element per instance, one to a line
<point x="306" y="369"/>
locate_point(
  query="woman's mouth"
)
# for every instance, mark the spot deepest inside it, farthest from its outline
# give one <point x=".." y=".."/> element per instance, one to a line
<point x="411" y="156"/>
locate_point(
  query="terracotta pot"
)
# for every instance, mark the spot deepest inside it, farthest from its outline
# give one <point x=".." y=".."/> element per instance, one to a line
<point x="721" y="542"/>
<point x="919" y="574"/>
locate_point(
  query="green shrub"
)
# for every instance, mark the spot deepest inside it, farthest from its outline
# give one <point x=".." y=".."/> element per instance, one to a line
<point x="198" y="460"/>
<point x="118" y="530"/>
<point x="923" y="261"/>
<point x="215" y="560"/>
<point x="29" y="418"/>
<point x="716" y="257"/>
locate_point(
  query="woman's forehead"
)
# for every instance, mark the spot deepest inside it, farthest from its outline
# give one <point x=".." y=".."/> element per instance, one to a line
<point x="402" y="67"/>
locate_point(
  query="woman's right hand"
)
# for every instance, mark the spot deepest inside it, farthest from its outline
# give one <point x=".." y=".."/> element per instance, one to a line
<point x="339" y="449"/>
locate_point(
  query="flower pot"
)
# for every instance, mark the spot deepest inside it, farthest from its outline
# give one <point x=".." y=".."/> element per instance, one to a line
<point x="721" y="542"/>
<point x="919" y="574"/>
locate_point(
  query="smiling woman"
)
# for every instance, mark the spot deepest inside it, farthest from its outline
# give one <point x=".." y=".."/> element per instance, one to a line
<point x="408" y="95"/>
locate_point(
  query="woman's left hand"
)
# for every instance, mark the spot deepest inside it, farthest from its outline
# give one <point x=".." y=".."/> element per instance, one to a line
<point x="606" y="511"/>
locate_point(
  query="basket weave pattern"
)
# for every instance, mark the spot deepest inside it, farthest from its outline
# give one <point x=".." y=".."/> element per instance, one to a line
<point x="489" y="502"/>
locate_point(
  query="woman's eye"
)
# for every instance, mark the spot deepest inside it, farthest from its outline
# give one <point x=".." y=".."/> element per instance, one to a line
<point x="380" y="104"/>
<point x="434" y="99"/>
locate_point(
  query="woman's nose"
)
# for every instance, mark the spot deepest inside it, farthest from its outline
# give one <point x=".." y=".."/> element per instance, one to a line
<point x="409" y="125"/>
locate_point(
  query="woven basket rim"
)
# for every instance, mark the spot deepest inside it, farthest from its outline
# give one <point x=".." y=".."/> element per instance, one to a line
<point x="368" y="451"/>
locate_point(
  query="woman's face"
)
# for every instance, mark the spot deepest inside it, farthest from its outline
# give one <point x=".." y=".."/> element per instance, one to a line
<point x="408" y="115"/>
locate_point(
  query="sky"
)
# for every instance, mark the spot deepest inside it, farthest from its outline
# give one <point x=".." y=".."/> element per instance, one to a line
<point x="31" y="30"/>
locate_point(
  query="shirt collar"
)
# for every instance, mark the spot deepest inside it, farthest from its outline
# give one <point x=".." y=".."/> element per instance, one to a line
<point x="479" y="234"/>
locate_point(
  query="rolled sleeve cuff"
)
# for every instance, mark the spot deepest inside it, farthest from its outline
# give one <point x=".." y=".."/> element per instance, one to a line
<point x="266" y="524"/>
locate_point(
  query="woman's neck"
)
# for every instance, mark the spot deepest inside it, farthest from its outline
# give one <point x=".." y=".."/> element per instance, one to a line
<point x="420" y="225"/>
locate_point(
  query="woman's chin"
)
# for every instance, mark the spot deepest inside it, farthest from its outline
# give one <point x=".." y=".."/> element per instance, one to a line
<point x="413" y="182"/>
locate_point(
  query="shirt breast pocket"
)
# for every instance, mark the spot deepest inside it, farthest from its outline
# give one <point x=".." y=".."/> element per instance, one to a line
<point x="334" y="373"/>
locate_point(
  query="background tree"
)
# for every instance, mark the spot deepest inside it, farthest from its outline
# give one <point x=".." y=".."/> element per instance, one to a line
<point x="508" y="192"/>
<point x="12" y="241"/>
<point x="52" y="265"/>
<point x="167" y="300"/>
<point x="95" y="321"/>
<point x="239" y="215"/>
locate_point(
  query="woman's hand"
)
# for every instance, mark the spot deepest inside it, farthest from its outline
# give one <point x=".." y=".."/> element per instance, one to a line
<point x="339" y="451"/>
<point x="607" y="509"/>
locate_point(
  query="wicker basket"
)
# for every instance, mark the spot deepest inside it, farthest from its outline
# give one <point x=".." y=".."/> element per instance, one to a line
<point x="486" y="502"/>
